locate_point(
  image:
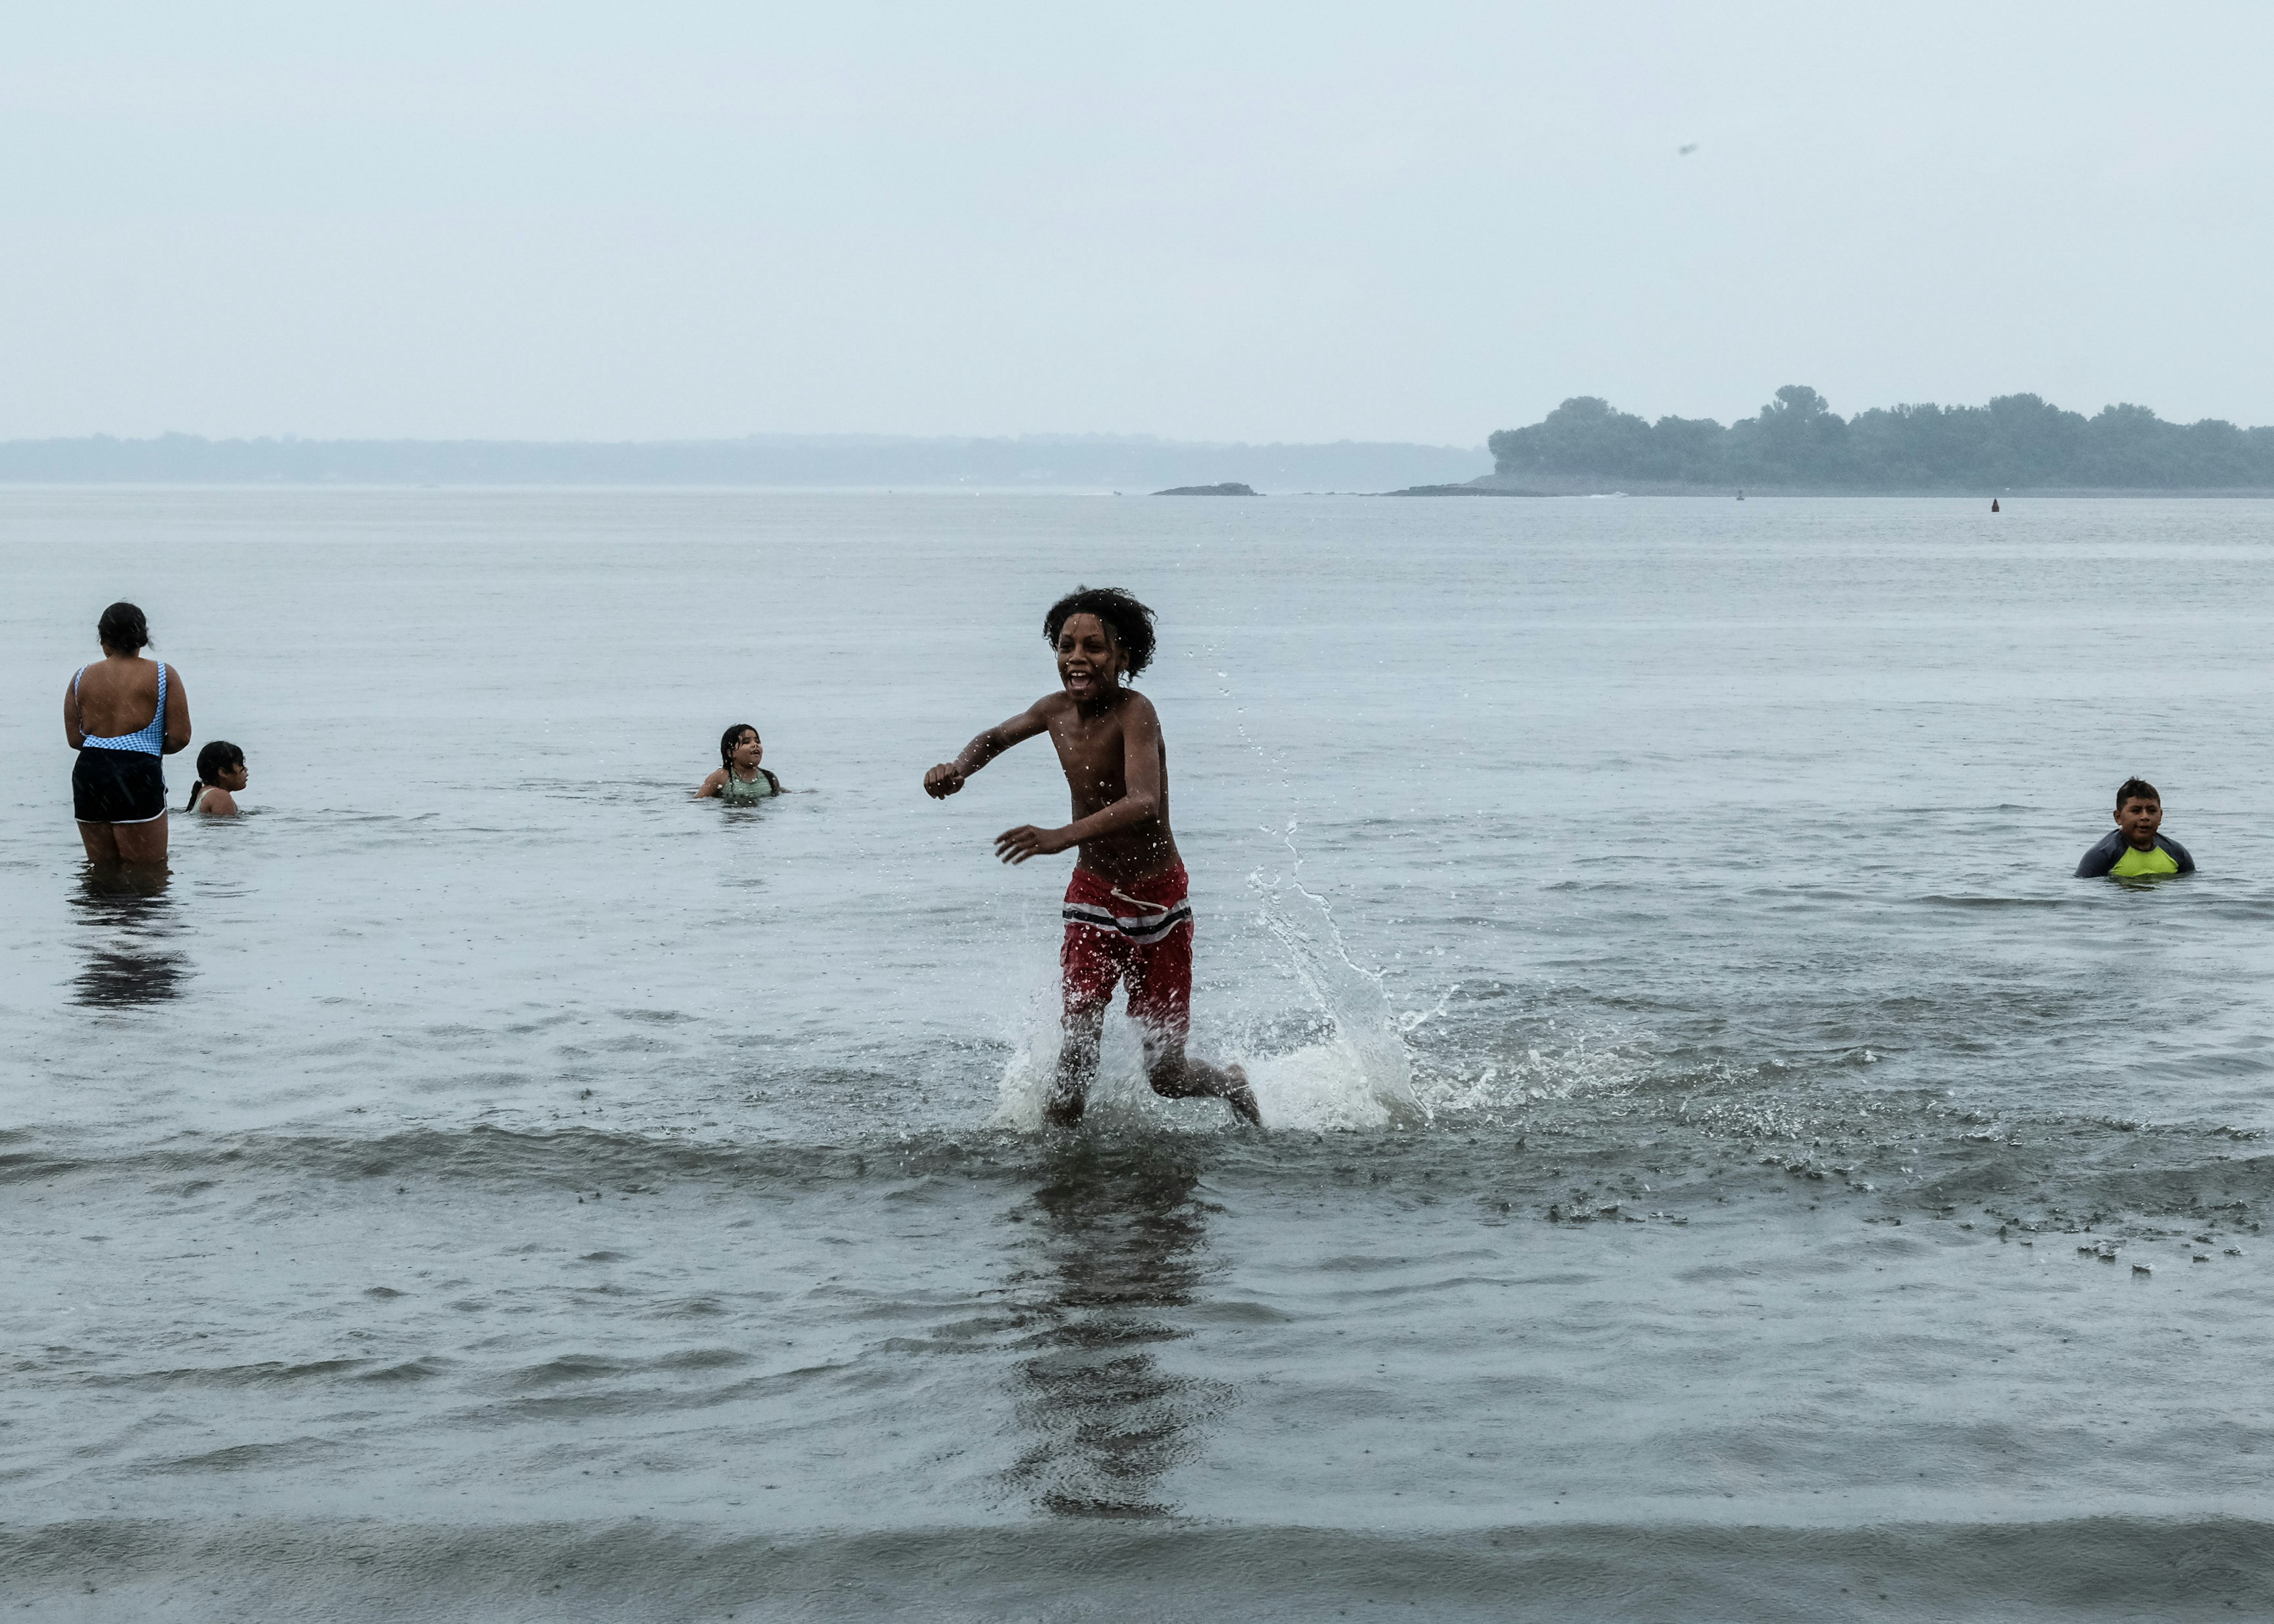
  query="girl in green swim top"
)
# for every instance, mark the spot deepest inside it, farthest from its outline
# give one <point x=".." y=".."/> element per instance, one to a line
<point x="740" y="781"/>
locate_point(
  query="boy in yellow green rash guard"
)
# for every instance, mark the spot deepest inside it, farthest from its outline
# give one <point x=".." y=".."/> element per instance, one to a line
<point x="2136" y="849"/>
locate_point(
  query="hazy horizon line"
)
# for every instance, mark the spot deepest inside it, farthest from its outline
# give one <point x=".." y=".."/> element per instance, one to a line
<point x="768" y="437"/>
<point x="1117" y="461"/>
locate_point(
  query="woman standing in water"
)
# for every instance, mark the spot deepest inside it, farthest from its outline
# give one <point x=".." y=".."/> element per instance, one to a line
<point x="121" y="714"/>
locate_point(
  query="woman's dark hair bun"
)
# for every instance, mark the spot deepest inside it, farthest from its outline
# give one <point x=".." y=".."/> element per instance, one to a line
<point x="123" y="628"/>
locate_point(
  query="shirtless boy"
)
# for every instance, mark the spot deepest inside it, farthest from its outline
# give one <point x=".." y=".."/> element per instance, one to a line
<point x="1126" y="917"/>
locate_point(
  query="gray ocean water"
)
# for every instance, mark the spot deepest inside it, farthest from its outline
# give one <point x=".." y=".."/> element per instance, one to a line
<point x="1721" y="1166"/>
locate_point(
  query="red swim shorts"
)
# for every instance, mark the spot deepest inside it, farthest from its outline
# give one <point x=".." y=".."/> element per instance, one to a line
<point x="1142" y="931"/>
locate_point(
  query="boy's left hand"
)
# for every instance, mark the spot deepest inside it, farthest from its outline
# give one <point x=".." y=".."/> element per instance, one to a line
<point x="1015" y="846"/>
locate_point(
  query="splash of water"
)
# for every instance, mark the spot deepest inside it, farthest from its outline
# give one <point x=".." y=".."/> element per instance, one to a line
<point x="1350" y="1069"/>
<point x="1360" y="1074"/>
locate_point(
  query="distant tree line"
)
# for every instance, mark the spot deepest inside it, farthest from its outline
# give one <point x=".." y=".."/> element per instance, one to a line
<point x="2016" y="441"/>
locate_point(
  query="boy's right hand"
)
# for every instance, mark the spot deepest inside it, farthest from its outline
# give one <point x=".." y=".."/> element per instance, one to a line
<point x="943" y="781"/>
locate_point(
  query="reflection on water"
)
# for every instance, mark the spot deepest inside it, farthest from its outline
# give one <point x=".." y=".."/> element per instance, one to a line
<point x="130" y="918"/>
<point x="1120" y="1229"/>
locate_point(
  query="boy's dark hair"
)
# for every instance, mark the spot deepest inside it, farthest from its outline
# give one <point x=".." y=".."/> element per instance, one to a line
<point x="1129" y="620"/>
<point x="728" y="740"/>
<point x="2136" y="789"/>
<point x="216" y="759"/>
<point x="123" y="628"/>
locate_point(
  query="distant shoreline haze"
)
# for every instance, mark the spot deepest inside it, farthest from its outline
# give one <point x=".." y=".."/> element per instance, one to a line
<point x="1102" y="462"/>
<point x="2016" y="442"/>
<point x="1795" y="443"/>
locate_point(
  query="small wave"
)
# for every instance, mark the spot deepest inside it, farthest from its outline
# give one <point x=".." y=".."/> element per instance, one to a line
<point x="1993" y="904"/>
<point x="2069" y="1180"/>
<point x="1611" y="1125"/>
<point x="270" y="1373"/>
<point x="249" y="1457"/>
<point x="1138" y="1569"/>
<point x="26" y="1166"/>
<point x="568" y="1367"/>
<point x="409" y="1370"/>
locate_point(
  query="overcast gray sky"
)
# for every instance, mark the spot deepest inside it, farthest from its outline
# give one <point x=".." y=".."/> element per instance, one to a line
<point x="1297" y="222"/>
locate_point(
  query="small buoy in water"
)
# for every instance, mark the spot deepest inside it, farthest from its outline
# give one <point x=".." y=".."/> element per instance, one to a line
<point x="1740" y="496"/>
<point x="1993" y="504"/>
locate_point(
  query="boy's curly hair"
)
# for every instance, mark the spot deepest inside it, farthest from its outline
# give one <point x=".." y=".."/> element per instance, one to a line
<point x="1129" y="620"/>
<point x="2136" y="789"/>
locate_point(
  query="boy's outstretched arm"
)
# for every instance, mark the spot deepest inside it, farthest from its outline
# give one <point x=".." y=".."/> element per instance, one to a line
<point x="945" y="779"/>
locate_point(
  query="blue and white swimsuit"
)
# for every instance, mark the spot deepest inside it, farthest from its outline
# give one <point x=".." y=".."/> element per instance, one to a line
<point x="120" y="779"/>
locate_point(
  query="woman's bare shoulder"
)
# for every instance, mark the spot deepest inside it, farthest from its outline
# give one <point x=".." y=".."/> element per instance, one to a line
<point x="108" y="676"/>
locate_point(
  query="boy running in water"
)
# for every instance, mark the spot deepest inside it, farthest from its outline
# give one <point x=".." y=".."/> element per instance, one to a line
<point x="1126" y="913"/>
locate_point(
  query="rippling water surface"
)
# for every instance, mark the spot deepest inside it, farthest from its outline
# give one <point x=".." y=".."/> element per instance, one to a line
<point x="1721" y="1166"/>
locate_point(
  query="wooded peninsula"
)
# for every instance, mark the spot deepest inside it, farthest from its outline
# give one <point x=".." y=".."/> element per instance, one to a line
<point x="2017" y="441"/>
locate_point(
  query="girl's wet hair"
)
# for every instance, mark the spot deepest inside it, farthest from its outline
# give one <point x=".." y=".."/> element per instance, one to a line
<point x="1129" y="620"/>
<point x="729" y="739"/>
<point x="123" y="628"/>
<point x="216" y="758"/>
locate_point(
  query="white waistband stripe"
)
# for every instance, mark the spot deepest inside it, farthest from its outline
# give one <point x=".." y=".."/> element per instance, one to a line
<point x="1143" y="928"/>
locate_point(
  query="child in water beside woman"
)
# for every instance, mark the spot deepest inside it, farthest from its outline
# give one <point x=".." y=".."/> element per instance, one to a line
<point x="740" y="781"/>
<point x="221" y="774"/>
